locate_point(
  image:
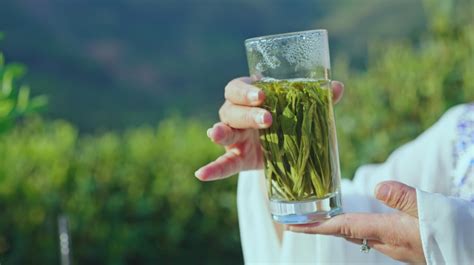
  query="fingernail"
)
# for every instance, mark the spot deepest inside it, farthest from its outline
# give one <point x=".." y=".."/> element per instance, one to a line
<point x="260" y="118"/>
<point x="382" y="191"/>
<point x="253" y="95"/>
<point x="201" y="174"/>
<point x="267" y="118"/>
<point x="263" y="118"/>
<point x="217" y="134"/>
<point x="209" y="132"/>
<point x="337" y="83"/>
<point x="198" y="173"/>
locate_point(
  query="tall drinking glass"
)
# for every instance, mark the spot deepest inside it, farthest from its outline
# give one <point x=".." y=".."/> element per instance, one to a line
<point x="300" y="148"/>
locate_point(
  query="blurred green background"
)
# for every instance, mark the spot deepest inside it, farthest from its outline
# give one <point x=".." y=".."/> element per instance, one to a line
<point x="108" y="125"/>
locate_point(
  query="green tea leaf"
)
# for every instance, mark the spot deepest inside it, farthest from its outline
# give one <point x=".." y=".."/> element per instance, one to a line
<point x="297" y="147"/>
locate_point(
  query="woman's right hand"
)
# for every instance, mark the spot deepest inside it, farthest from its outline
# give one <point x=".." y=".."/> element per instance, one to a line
<point x="238" y="130"/>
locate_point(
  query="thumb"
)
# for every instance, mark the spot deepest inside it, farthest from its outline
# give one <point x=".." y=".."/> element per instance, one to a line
<point x="397" y="195"/>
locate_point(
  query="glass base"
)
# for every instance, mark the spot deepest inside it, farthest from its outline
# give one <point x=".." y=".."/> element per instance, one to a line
<point x="304" y="212"/>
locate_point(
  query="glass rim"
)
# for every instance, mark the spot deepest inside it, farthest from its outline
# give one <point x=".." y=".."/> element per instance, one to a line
<point x="284" y="35"/>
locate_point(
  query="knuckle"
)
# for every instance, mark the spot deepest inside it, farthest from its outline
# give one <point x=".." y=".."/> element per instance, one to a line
<point x="400" y="199"/>
<point x="243" y="95"/>
<point x="229" y="88"/>
<point x="250" y="115"/>
<point x="228" y="164"/>
<point x="235" y="80"/>
<point x="345" y="228"/>
<point x="230" y="138"/>
<point x="222" y="112"/>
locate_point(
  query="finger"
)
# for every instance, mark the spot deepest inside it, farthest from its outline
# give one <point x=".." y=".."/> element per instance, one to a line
<point x="222" y="134"/>
<point x="225" y="166"/>
<point x="375" y="244"/>
<point x="398" y="195"/>
<point x="395" y="252"/>
<point x="241" y="117"/>
<point x="350" y="225"/>
<point x="337" y="90"/>
<point x="239" y="91"/>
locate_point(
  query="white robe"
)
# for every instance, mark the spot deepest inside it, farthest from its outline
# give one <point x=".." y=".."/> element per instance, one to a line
<point x="439" y="164"/>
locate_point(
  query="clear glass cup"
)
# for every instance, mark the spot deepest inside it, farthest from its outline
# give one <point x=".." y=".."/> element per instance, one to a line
<point x="300" y="148"/>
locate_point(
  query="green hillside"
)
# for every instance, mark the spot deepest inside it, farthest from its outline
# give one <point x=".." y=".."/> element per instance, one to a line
<point x="115" y="64"/>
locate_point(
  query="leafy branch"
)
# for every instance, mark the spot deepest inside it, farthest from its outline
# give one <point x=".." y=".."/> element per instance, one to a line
<point x="15" y="98"/>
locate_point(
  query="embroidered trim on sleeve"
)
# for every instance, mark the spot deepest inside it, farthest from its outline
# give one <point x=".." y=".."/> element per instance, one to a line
<point x="463" y="175"/>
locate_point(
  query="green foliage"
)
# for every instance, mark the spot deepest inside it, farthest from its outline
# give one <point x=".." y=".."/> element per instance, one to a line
<point x="100" y="72"/>
<point x="297" y="147"/>
<point x="15" y="100"/>
<point x="406" y="88"/>
<point x="131" y="198"/>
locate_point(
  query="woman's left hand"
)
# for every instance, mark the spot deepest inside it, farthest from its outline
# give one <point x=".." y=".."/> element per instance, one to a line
<point x="396" y="235"/>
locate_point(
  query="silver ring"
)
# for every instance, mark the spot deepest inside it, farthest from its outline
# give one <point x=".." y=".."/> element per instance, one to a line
<point x="364" y="247"/>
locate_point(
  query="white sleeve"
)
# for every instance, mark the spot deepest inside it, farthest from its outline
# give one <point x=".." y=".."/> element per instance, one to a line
<point x="446" y="228"/>
<point x="257" y="232"/>
<point x="424" y="163"/>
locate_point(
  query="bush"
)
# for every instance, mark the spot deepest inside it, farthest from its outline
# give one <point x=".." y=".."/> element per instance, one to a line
<point x="131" y="198"/>
<point x="406" y="87"/>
